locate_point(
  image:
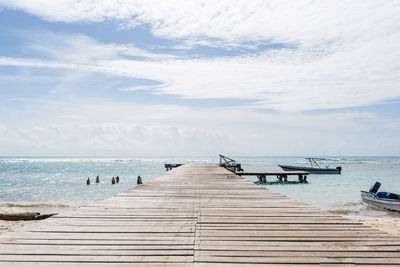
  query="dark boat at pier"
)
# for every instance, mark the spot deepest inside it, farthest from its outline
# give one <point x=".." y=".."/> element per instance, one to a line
<point x="385" y="200"/>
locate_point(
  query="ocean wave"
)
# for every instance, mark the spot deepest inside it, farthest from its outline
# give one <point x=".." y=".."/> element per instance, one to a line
<point x="64" y="160"/>
<point x="341" y="211"/>
<point x="352" y="204"/>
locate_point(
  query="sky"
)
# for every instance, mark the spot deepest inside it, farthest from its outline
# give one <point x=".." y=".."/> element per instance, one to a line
<point x="196" y="78"/>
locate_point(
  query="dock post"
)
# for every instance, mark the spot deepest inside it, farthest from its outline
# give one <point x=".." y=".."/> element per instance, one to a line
<point x="280" y="178"/>
<point x="259" y="178"/>
<point x="285" y="178"/>
<point x="264" y="178"/>
<point x="300" y="178"/>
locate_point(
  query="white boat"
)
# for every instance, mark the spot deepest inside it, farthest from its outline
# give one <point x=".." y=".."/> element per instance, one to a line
<point x="384" y="200"/>
<point x="314" y="168"/>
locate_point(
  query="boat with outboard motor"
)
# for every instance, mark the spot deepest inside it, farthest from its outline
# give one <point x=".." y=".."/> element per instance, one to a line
<point x="385" y="200"/>
<point x="315" y="167"/>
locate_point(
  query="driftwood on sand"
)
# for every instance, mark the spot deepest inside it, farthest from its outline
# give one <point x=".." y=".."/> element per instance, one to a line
<point x="24" y="216"/>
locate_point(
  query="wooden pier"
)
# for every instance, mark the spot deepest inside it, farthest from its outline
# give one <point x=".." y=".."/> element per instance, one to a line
<point x="170" y="166"/>
<point x="198" y="215"/>
<point x="282" y="176"/>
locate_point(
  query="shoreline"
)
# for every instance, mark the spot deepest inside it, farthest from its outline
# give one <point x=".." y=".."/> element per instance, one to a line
<point x="390" y="226"/>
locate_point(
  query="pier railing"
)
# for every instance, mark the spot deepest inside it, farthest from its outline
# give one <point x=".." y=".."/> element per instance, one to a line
<point x="229" y="164"/>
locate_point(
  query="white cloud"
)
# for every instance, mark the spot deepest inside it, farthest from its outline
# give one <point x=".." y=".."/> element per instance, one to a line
<point x="339" y="54"/>
<point x="303" y="21"/>
<point x="284" y="80"/>
<point x="113" y="139"/>
<point x="179" y="131"/>
<point x="79" y="48"/>
<point x="143" y="87"/>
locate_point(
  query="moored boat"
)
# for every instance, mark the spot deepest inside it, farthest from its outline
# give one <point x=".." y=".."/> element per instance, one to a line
<point x="314" y="168"/>
<point x="385" y="200"/>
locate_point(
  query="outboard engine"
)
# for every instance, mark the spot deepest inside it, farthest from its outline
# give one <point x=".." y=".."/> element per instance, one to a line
<point x="374" y="189"/>
<point x="339" y="169"/>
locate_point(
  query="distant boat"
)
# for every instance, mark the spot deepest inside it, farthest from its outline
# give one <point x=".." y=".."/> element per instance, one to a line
<point x="385" y="200"/>
<point x="315" y="168"/>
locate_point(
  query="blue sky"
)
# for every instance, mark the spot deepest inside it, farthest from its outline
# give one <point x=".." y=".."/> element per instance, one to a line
<point x="198" y="78"/>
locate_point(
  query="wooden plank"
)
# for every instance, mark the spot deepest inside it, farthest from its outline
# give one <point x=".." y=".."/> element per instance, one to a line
<point x="72" y="258"/>
<point x="97" y="264"/>
<point x="29" y="250"/>
<point x="299" y="260"/>
<point x="301" y="253"/>
<point x="115" y="229"/>
<point x="276" y="247"/>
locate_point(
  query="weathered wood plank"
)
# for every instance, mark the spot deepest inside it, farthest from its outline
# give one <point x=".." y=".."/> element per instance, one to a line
<point x="96" y="264"/>
<point x="71" y="258"/>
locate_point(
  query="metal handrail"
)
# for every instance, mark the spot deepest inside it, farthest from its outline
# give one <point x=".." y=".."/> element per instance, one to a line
<point x="229" y="164"/>
<point x="225" y="159"/>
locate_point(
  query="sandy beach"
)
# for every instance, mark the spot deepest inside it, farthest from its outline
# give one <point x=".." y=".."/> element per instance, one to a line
<point x="6" y="226"/>
<point x="390" y="226"/>
<point x="19" y="208"/>
<point x="383" y="220"/>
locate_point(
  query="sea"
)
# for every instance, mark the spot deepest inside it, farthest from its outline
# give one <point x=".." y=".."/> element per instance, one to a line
<point x="53" y="185"/>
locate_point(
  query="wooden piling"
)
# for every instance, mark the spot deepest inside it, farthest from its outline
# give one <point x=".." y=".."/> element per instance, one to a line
<point x="198" y="215"/>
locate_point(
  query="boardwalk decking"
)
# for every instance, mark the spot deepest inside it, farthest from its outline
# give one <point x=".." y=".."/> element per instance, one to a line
<point x="198" y="215"/>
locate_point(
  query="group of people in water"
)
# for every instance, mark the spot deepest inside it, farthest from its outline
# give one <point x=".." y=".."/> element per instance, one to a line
<point x="113" y="180"/>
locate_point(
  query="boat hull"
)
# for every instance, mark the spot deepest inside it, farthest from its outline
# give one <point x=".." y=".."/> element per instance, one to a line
<point x="310" y="169"/>
<point x="389" y="204"/>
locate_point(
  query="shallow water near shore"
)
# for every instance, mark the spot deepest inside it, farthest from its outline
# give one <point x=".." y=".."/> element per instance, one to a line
<point x="56" y="184"/>
<point x="339" y="194"/>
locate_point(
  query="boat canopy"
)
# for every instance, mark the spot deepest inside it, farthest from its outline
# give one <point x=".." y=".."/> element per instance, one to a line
<point x="313" y="161"/>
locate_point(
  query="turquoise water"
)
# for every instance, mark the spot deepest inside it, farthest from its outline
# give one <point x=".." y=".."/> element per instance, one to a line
<point x="337" y="193"/>
<point x="57" y="183"/>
